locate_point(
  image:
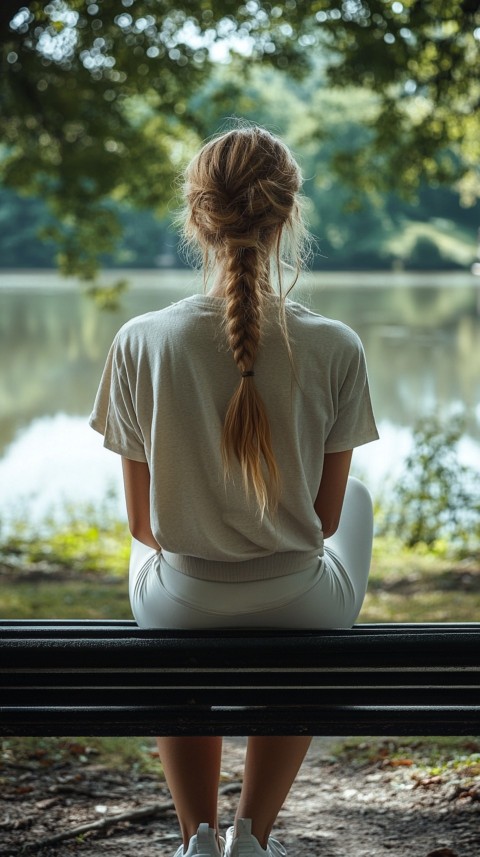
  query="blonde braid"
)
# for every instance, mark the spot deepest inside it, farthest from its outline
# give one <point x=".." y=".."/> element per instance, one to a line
<point x="246" y="428"/>
<point x="243" y="306"/>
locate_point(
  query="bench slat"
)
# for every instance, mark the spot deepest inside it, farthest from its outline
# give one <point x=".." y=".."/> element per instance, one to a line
<point x="303" y="720"/>
<point x="112" y="678"/>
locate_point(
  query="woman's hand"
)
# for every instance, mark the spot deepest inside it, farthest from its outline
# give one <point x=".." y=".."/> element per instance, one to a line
<point x="136" y="480"/>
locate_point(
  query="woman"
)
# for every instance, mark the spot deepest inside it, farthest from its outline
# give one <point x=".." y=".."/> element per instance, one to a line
<point x="235" y="413"/>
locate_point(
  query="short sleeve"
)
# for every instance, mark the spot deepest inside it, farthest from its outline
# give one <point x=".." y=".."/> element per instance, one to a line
<point x="114" y="414"/>
<point x="354" y="424"/>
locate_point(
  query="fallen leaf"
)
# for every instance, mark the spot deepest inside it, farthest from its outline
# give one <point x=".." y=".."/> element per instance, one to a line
<point x="426" y="782"/>
<point x="76" y="749"/>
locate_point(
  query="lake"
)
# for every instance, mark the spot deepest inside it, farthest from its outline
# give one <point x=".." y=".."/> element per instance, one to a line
<point x="421" y="335"/>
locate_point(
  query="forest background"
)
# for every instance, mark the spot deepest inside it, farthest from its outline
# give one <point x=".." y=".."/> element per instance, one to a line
<point x="103" y="102"/>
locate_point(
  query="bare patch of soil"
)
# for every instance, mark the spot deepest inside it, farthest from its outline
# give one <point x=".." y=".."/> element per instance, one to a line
<point x="347" y="804"/>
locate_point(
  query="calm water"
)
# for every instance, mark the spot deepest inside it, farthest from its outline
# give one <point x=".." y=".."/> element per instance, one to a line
<point x="421" y="336"/>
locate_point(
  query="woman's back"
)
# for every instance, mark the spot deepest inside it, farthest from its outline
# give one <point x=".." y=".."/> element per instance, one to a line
<point x="175" y="376"/>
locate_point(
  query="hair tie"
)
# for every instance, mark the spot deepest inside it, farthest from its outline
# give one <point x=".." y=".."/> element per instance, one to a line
<point x="248" y="374"/>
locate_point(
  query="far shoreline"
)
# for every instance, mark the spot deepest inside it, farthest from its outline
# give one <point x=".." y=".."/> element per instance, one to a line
<point x="46" y="279"/>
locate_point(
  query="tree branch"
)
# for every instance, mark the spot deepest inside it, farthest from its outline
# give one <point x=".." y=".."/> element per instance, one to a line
<point x="154" y="810"/>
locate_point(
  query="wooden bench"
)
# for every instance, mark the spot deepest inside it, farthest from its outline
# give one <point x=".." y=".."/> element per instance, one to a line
<point x="111" y="678"/>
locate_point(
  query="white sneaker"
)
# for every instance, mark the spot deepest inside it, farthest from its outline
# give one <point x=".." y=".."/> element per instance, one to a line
<point x="203" y="844"/>
<point x="247" y="845"/>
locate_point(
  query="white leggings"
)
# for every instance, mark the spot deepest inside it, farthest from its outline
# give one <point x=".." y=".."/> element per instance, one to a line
<point x="328" y="594"/>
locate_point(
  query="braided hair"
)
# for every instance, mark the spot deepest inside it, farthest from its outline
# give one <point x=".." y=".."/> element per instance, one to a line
<point x="242" y="207"/>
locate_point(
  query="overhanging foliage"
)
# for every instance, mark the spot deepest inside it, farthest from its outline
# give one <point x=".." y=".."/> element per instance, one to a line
<point x="96" y="98"/>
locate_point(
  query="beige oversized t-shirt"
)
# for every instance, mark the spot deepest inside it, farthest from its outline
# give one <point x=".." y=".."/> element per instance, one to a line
<point x="162" y="399"/>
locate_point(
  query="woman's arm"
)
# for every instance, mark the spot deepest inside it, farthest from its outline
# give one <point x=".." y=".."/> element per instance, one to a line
<point x="329" y="502"/>
<point x="136" y="480"/>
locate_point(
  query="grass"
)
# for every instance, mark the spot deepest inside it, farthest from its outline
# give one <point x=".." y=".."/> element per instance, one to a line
<point x="442" y="757"/>
<point x="83" y="573"/>
<point x="65" y="599"/>
<point x="446" y="757"/>
<point x="75" y="570"/>
<point x="416" y="585"/>
<point x="89" y="540"/>
<point x="135" y="754"/>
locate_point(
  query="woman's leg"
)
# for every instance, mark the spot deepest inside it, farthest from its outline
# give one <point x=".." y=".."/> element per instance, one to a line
<point x="192" y="771"/>
<point x="271" y="766"/>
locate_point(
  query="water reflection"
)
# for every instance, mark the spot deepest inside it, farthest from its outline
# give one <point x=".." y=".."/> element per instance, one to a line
<point x="421" y="335"/>
<point x="53" y="344"/>
<point x="53" y="464"/>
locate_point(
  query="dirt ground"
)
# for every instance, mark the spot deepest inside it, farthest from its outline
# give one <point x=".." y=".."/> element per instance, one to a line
<point x="340" y="806"/>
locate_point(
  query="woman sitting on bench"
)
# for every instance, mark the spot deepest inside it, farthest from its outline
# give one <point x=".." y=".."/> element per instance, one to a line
<point x="235" y="413"/>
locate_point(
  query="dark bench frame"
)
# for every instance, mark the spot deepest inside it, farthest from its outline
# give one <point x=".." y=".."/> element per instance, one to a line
<point x="111" y="678"/>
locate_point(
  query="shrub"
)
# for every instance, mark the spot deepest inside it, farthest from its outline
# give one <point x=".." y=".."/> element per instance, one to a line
<point x="437" y="499"/>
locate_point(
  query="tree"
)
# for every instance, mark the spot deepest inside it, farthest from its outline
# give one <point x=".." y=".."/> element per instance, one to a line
<point x="359" y="233"/>
<point x="421" y="58"/>
<point x="96" y="97"/>
<point x="94" y="106"/>
<point x="393" y="231"/>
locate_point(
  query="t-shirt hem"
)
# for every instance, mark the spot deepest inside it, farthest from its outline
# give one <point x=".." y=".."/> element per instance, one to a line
<point x="133" y="455"/>
<point x="256" y="568"/>
<point x="342" y="446"/>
